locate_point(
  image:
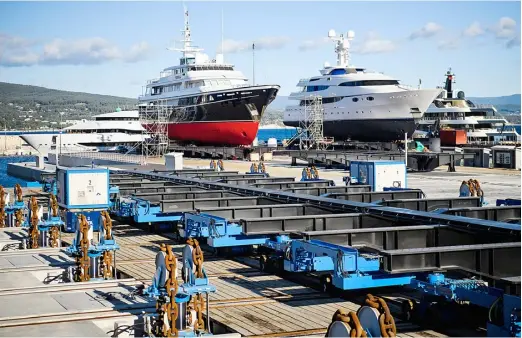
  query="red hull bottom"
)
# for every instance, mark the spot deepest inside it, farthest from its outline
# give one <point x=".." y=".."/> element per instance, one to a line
<point x="215" y="133"/>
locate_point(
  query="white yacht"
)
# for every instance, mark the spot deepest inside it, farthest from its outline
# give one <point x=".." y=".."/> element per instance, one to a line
<point x="451" y="110"/>
<point x="359" y="104"/>
<point x="117" y="131"/>
<point x="207" y="100"/>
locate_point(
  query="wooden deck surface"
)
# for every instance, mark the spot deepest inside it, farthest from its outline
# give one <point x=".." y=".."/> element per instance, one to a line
<point x="247" y="301"/>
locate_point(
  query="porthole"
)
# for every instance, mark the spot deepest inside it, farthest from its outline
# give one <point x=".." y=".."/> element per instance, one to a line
<point x="355" y="99"/>
<point x="369" y="98"/>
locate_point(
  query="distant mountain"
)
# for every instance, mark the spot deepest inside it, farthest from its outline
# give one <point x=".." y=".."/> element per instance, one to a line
<point x="24" y="106"/>
<point x="279" y="103"/>
<point x="499" y="100"/>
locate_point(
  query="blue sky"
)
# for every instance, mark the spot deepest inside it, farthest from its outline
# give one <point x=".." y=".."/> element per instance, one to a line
<point x="115" y="47"/>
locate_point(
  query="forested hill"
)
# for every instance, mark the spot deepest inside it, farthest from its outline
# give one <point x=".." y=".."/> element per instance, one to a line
<point x="34" y="107"/>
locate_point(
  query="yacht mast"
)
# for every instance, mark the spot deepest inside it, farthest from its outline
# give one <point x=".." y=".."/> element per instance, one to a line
<point x="342" y="47"/>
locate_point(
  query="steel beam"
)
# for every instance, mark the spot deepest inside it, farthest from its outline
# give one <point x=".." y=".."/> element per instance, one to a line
<point x="221" y="202"/>
<point x="414" y="217"/>
<point x="141" y="184"/>
<point x="208" y="174"/>
<point x="212" y="177"/>
<point x="402" y="237"/>
<point x="261" y="211"/>
<point x="500" y="214"/>
<point x="430" y="204"/>
<point x="294" y="184"/>
<point x="499" y="259"/>
<point x="289" y="224"/>
<point x="318" y="191"/>
<point x="156" y="197"/>
<point x="256" y="180"/>
<point x="370" y="197"/>
<point x="155" y="191"/>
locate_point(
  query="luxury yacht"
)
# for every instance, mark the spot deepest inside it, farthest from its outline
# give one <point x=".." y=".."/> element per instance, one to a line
<point x="117" y="131"/>
<point x="358" y="104"/>
<point x="452" y="110"/>
<point x="205" y="101"/>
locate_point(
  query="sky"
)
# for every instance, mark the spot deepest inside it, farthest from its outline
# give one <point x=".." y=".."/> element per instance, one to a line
<point x="114" y="47"/>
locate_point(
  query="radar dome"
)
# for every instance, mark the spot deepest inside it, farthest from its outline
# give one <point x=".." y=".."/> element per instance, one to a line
<point x="461" y="95"/>
<point x="326" y="65"/>
<point x="350" y="34"/>
<point x="331" y="33"/>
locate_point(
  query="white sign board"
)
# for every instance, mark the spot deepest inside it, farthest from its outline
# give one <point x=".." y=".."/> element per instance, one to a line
<point x="88" y="188"/>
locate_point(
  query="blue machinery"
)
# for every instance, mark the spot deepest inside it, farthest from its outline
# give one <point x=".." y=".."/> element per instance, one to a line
<point x="180" y="308"/>
<point x="93" y="261"/>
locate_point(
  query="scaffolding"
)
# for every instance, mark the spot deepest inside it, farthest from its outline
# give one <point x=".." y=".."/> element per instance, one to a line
<point x="154" y="117"/>
<point x="311" y="126"/>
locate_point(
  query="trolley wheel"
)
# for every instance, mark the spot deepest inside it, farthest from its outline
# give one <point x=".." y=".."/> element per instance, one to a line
<point x="263" y="263"/>
<point x="326" y="283"/>
<point x="408" y="308"/>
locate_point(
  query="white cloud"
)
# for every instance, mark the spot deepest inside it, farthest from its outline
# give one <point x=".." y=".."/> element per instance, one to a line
<point x="17" y="51"/>
<point x="313" y="43"/>
<point x="505" y="28"/>
<point x="373" y="44"/>
<point x="265" y="43"/>
<point x="429" y="30"/>
<point x="473" y="30"/>
<point x="449" y="44"/>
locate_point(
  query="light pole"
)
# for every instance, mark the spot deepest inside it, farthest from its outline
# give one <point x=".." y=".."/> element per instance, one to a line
<point x="60" y="139"/>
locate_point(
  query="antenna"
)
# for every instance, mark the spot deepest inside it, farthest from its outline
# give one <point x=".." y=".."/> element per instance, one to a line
<point x="342" y="46"/>
<point x="222" y="34"/>
<point x="253" y="64"/>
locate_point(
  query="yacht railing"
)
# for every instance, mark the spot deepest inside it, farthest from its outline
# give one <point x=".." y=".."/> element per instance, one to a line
<point x="153" y="80"/>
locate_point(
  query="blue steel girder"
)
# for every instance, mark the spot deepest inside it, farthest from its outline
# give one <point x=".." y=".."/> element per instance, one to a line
<point x="416" y="217"/>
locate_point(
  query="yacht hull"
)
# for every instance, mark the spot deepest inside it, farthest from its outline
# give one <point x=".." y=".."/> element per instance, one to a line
<point x="222" y="118"/>
<point x="368" y="130"/>
<point x="233" y="133"/>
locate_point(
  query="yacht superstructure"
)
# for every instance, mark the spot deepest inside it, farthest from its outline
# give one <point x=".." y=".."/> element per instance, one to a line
<point x="452" y="110"/>
<point x="116" y="131"/>
<point x="208" y="101"/>
<point x="359" y="104"/>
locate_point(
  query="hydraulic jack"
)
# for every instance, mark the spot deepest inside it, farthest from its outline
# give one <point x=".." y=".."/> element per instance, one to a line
<point x="179" y="307"/>
<point x="12" y="215"/>
<point x="44" y="232"/>
<point x="93" y="261"/>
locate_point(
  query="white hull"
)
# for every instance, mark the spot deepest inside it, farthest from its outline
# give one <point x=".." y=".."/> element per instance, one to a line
<point x="46" y="143"/>
<point x="397" y="105"/>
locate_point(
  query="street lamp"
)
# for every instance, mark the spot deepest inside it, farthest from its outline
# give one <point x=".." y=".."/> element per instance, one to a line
<point x="60" y="138"/>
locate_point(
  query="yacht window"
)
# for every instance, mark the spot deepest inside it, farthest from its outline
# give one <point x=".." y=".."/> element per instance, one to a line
<point x="315" y="88"/>
<point x="341" y="71"/>
<point x="355" y="99"/>
<point x="369" y="98"/>
<point x="369" y="83"/>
